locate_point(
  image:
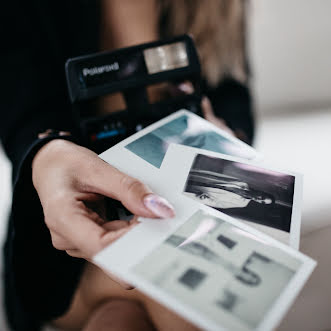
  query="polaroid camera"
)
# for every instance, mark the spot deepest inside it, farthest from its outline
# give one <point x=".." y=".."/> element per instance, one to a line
<point x="132" y="72"/>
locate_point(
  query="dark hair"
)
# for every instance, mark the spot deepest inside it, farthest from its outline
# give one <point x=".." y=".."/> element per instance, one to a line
<point x="193" y="182"/>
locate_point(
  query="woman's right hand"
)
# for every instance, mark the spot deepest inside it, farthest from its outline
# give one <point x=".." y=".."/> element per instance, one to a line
<point x="70" y="178"/>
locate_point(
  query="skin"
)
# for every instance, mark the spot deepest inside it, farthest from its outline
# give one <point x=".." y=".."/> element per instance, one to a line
<point x="77" y="180"/>
<point x="214" y="197"/>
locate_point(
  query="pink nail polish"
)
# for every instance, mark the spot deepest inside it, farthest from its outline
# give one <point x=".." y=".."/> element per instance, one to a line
<point x="186" y="88"/>
<point x="159" y="206"/>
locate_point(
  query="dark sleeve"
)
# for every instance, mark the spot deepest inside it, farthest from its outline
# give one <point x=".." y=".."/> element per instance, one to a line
<point x="33" y="91"/>
<point x="39" y="280"/>
<point x="232" y="101"/>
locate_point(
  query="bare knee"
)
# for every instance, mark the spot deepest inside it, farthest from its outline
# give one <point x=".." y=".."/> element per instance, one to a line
<point x="119" y="314"/>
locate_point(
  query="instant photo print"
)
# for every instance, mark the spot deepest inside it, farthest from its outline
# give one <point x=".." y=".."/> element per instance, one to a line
<point x="142" y="153"/>
<point x="147" y="148"/>
<point x="211" y="269"/>
<point x="266" y="198"/>
<point x="219" y="272"/>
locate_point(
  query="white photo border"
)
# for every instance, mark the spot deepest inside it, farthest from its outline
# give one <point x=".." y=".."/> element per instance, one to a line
<point x="187" y="155"/>
<point x="256" y="155"/>
<point x="117" y="259"/>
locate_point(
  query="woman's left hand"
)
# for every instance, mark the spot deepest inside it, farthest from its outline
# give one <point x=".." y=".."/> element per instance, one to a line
<point x="207" y="108"/>
<point x="208" y="114"/>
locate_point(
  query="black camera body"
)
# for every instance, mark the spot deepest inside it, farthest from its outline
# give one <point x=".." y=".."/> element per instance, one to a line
<point x="131" y="71"/>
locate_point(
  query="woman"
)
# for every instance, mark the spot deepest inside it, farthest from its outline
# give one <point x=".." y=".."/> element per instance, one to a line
<point x="47" y="278"/>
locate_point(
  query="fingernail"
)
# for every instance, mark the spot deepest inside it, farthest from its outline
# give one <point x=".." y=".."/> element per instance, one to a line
<point x="159" y="206"/>
<point x="187" y="88"/>
<point x="204" y="100"/>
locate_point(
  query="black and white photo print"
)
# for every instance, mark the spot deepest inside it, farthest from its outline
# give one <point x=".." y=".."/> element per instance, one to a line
<point x="246" y="192"/>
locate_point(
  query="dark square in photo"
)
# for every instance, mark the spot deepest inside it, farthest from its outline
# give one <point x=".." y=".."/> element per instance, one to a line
<point x="192" y="278"/>
<point x="227" y="242"/>
<point x="185" y="130"/>
<point x="244" y="191"/>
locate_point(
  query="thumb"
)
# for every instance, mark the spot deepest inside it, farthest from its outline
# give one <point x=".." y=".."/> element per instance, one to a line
<point x="132" y="193"/>
<point x="207" y="109"/>
<point x="209" y="115"/>
<point x="87" y="237"/>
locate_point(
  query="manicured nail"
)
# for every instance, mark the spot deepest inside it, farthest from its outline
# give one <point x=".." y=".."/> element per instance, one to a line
<point x="205" y="101"/>
<point x="159" y="206"/>
<point x="186" y="88"/>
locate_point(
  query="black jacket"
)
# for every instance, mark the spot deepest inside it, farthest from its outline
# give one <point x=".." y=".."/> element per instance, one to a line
<point x="37" y="37"/>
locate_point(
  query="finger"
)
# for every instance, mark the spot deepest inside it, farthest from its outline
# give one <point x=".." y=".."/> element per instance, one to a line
<point x="207" y="109"/>
<point x="133" y="194"/>
<point x="94" y="216"/>
<point x="98" y="206"/>
<point x="63" y="244"/>
<point x="79" y="228"/>
<point x="139" y="199"/>
<point x="240" y="134"/>
<point x="60" y="243"/>
<point x="75" y="253"/>
<point x="176" y="90"/>
<point x="111" y="236"/>
<point x="85" y="235"/>
<point x="186" y="87"/>
<point x="134" y="220"/>
<point x="208" y="113"/>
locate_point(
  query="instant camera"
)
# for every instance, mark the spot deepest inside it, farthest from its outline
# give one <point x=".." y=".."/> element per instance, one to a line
<point x="131" y="72"/>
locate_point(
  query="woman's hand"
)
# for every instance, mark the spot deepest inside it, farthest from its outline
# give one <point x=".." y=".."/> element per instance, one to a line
<point x="208" y="114"/>
<point x="69" y="179"/>
<point x="207" y="108"/>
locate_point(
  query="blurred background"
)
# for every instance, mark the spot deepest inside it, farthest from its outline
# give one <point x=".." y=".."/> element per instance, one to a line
<point x="290" y="50"/>
<point x="290" y="55"/>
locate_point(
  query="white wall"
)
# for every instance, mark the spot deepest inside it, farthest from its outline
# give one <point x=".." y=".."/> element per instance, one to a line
<point x="290" y="47"/>
<point x="5" y="192"/>
<point x="5" y="195"/>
